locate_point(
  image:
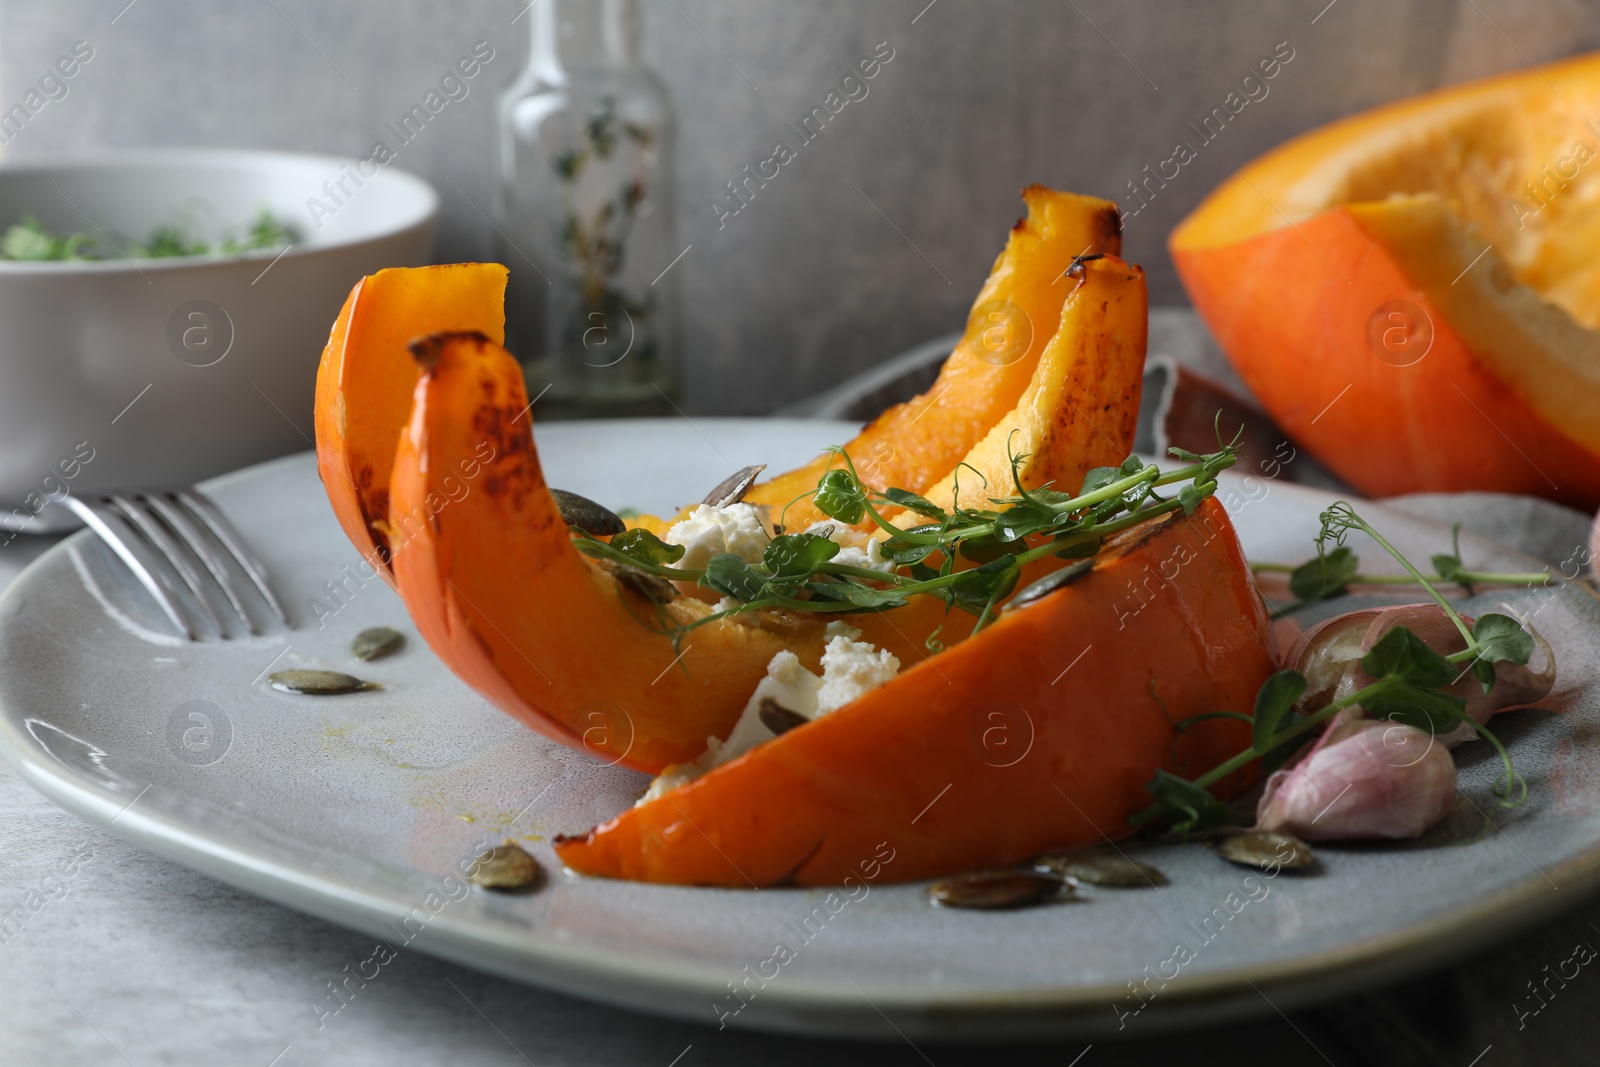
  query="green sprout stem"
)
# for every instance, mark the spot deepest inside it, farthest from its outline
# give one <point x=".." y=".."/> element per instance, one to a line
<point x="1034" y="525"/>
<point x="1464" y="577"/>
<point x="1306" y="723"/>
<point x="1349" y="518"/>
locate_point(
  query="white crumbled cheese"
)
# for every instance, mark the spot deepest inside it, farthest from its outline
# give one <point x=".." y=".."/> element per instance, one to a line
<point x="856" y="549"/>
<point x="678" y="775"/>
<point x="709" y="531"/>
<point x="849" y="668"/>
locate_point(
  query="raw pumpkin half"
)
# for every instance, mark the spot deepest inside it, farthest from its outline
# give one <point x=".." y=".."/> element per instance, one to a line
<point x="1413" y="292"/>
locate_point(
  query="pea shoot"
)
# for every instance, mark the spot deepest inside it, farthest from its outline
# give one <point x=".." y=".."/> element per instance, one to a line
<point x="1331" y="574"/>
<point x="799" y="572"/>
<point x="1410" y="687"/>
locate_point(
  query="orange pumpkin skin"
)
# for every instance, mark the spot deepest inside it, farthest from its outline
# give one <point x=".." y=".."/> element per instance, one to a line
<point x="1040" y="732"/>
<point x="366" y="378"/>
<point x="1298" y="334"/>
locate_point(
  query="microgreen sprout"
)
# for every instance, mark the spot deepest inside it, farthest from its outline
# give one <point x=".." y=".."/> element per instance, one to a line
<point x="970" y="558"/>
<point x="1331" y="572"/>
<point x="1410" y="684"/>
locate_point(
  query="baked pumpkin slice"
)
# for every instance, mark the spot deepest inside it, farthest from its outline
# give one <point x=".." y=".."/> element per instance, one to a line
<point x="918" y="444"/>
<point x="486" y="565"/>
<point x="366" y="378"/>
<point x="910" y="774"/>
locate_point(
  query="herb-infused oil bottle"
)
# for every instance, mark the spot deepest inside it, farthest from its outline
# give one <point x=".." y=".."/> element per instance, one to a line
<point x="586" y="217"/>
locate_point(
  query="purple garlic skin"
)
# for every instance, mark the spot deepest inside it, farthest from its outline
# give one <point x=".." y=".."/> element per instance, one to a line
<point x="1368" y="778"/>
<point x="1362" y="778"/>
<point x="1329" y="655"/>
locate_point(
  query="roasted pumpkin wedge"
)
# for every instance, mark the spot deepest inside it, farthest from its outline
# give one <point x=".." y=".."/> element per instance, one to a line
<point x="1080" y="408"/>
<point x="367" y="376"/>
<point x="1040" y="732"/>
<point x="1010" y="326"/>
<point x="485" y="564"/>
<point x="1078" y="412"/>
<point x="471" y="522"/>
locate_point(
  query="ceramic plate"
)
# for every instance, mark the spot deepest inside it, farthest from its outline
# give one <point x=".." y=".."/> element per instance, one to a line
<point x="360" y="808"/>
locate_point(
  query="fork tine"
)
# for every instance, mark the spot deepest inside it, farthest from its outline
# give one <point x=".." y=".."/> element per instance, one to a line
<point x="157" y="535"/>
<point x="116" y="532"/>
<point x="201" y="505"/>
<point x="182" y="525"/>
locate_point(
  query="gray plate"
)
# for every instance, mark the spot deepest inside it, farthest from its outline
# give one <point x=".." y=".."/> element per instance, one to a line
<point x="360" y="808"/>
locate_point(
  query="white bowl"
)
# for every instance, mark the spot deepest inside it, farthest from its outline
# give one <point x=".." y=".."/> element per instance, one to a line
<point x="120" y="373"/>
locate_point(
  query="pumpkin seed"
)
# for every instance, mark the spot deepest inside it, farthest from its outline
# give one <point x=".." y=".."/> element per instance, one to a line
<point x="779" y="719"/>
<point x="650" y="586"/>
<point x="998" y="890"/>
<point x="732" y="489"/>
<point x="378" y="642"/>
<point x="1100" y="868"/>
<point x="506" y="868"/>
<point x="584" y="514"/>
<point x="318" y="683"/>
<point x="1264" y="849"/>
<point x="1048" y="584"/>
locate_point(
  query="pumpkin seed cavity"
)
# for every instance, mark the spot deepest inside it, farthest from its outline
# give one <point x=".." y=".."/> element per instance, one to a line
<point x="1100" y="869"/>
<point x="584" y="514"/>
<point x="732" y="489"/>
<point x="506" y="868"/>
<point x="378" y="642"/>
<point x="318" y="683"/>
<point x="999" y="890"/>
<point x="1264" y="849"/>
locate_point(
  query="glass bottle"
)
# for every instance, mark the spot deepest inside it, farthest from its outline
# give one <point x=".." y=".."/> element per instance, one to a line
<point x="586" y="216"/>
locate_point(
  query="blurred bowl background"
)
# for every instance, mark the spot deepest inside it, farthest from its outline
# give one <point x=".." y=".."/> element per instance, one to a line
<point x="120" y="372"/>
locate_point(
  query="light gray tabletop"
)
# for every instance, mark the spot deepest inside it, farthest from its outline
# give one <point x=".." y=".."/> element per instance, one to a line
<point x="110" y="955"/>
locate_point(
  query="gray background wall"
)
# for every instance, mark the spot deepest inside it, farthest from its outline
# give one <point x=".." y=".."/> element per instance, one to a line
<point x="809" y="284"/>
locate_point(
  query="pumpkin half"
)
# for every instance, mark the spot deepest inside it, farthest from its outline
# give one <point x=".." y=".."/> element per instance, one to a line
<point x="1413" y="293"/>
<point x="1040" y="732"/>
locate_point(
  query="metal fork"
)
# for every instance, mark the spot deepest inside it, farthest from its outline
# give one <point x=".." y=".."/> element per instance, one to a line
<point x="187" y="555"/>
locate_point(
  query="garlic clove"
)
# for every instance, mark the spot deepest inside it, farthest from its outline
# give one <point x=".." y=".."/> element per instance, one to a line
<point x="1362" y="779"/>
